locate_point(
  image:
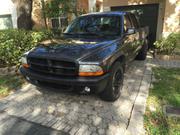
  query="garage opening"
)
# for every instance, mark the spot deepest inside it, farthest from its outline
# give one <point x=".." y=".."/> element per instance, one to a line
<point x="147" y="15"/>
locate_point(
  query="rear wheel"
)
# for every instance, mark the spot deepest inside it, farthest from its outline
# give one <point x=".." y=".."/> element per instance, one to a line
<point x="115" y="83"/>
<point x="143" y="52"/>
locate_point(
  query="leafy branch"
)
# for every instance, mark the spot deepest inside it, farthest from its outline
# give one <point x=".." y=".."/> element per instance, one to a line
<point x="56" y="8"/>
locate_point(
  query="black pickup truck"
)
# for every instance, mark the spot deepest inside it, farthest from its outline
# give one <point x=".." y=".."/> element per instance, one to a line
<point x="90" y="56"/>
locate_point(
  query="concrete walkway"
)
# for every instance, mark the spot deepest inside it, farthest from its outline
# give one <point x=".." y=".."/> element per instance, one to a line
<point x="85" y="114"/>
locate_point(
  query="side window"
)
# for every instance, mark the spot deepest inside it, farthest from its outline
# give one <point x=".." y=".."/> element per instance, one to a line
<point x="134" y="21"/>
<point x="6" y="22"/>
<point x="127" y="23"/>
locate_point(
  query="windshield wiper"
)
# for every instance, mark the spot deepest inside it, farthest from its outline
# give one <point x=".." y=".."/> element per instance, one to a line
<point x="91" y="34"/>
<point x="69" y="33"/>
<point x="87" y="34"/>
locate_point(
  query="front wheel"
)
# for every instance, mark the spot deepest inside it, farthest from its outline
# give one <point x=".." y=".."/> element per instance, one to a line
<point x="115" y="83"/>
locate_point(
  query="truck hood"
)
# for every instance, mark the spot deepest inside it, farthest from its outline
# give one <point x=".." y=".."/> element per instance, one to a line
<point x="72" y="49"/>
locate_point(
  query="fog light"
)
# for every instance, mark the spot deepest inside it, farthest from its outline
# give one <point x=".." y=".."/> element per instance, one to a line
<point x="27" y="78"/>
<point x="87" y="89"/>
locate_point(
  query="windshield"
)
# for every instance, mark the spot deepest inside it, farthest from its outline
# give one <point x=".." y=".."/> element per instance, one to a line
<point x="95" y="25"/>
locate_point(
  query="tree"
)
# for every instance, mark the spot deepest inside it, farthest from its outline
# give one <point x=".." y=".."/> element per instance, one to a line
<point x="56" y="8"/>
<point x="24" y="9"/>
<point x="44" y="13"/>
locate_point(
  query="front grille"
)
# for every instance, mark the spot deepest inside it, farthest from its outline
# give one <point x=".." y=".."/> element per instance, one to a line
<point x="54" y="67"/>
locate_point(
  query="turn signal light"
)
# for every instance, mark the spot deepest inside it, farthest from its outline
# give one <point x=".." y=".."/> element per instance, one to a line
<point x="99" y="73"/>
<point x="25" y="65"/>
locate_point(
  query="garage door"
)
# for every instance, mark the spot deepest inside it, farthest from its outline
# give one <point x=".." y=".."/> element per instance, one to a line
<point x="147" y="15"/>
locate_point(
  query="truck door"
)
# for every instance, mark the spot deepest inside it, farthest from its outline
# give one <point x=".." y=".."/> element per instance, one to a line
<point x="138" y="41"/>
<point x="129" y="40"/>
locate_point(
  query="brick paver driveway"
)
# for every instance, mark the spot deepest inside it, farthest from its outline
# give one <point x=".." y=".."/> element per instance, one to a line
<point x="81" y="114"/>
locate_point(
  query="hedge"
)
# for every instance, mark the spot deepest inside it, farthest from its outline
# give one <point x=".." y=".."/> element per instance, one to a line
<point x="169" y="44"/>
<point x="15" y="42"/>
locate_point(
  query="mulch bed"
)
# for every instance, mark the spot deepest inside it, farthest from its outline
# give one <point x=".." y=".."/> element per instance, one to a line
<point x="8" y="70"/>
<point x="168" y="57"/>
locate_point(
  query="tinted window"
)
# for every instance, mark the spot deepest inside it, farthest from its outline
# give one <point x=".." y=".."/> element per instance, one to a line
<point x="134" y="21"/>
<point x="127" y="22"/>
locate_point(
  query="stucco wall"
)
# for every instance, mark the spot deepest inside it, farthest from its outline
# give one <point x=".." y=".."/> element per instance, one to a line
<point x="128" y="2"/>
<point x="172" y="17"/>
<point x="83" y="5"/>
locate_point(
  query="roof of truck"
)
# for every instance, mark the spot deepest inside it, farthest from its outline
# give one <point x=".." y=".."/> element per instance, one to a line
<point x="116" y="13"/>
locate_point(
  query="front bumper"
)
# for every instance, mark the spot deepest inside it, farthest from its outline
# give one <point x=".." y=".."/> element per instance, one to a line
<point x="97" y="84"/>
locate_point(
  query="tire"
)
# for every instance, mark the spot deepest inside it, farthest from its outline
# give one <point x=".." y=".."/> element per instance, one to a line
<point x="115" y="83"/>
<point x="143" y="52"/>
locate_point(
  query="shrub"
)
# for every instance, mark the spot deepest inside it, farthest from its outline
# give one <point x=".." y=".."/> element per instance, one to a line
<point x="14" y="42"/>
<point x="169" y="44"/>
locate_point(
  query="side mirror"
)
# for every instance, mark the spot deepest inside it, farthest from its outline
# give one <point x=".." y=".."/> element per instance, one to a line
<point x="130" y="31"/>
<point x="63" y="29"/>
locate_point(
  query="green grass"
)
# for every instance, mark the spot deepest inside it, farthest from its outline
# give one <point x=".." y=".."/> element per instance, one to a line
<point x="9" y="83"/>
<point x="165" y="91"/>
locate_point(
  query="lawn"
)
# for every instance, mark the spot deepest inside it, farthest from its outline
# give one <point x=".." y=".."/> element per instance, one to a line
<point x="165" y="91"/>
<point x="9" y="83"/>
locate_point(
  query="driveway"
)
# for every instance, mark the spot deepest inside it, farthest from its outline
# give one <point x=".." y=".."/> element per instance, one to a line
<point x="76" y="114"/>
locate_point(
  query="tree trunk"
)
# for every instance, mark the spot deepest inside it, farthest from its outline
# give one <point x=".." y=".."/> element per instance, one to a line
<point x="24" y="9"/>
<point x="44" y="15"/>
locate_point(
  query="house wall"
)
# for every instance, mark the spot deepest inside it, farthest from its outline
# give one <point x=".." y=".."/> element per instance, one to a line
<point x="171" y="17"/>
<point x="8" y="8"/>
<point x="100" y="4"/>
<point x="83" y="5"/>
<point x="168" y="18"/>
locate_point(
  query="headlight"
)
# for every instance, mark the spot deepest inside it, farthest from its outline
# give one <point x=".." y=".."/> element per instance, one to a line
<point x="24" y="61"/>
<point x="90" y="70"/>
